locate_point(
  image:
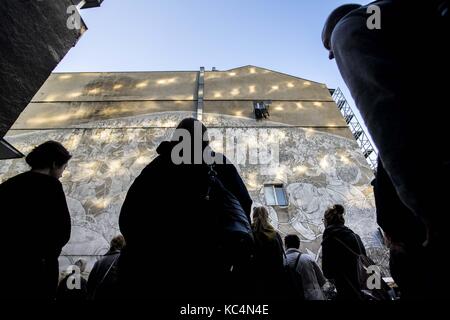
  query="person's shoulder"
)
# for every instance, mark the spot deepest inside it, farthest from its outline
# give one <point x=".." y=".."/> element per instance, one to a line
<point x="154" y="166"/>
<point x="7" y="183"/>
<point x="19" y="177"/>
<point x="224" y="166"/>
<point x="28" y="179"/>
<point x="309" y="260"/>
<point x="306" y="257"/>
<point x="221" y="160"/>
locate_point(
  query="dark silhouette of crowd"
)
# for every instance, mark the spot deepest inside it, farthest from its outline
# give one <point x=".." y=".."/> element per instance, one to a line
<point x="186" y="222"/>
<point x="215" y="249"/>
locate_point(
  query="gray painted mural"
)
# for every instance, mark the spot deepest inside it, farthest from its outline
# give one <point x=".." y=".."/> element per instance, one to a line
<point x="316" y="168"/>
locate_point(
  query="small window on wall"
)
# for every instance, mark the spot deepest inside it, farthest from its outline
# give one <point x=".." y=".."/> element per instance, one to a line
<point x="261" y="109"/>
<point x="275" y="195"/>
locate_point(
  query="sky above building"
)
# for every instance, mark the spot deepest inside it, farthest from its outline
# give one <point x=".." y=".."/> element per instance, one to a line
<point x="165" y="35"/>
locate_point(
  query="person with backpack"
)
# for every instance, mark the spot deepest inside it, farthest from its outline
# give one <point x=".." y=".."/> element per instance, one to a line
<point x="173" y="221"/>
<point x="102" y="281"/>
<point x="340" y="250"/>
<point x="73" y="287"/>
<point x="309" y="274"/>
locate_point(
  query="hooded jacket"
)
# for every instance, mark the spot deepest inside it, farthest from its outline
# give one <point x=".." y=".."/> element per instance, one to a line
<point x="338" y="263"/>
<point x="167" y="229"/>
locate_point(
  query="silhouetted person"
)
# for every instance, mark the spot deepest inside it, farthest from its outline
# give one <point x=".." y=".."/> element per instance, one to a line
<point x="170" y="236"/>
<point x="307" y="269"/>
<point x="381" y="73"/>
<point x="339" y="261"/>
<point x="405" y="234"/>
<point x="102" y="282"/>
<point x="269" y="260"/>
<point x="73" y="287"/>
<point x="36" y="222"/>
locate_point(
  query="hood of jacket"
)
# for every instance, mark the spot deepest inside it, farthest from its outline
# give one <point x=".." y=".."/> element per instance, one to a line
<point x="165" y="150"/>
<point x="165" y="147"/>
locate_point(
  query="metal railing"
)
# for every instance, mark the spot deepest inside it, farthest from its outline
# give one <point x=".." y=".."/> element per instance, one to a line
<point x="355" y="127"/>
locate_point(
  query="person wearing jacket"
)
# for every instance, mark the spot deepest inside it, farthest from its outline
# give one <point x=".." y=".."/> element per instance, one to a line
<point x="307" y="269"/>
<point x="368" y="44"/>
<point x="269" y="256"/>
<point x="102" y="283"/>
<point x="169" y="231"/>
<point x="36" y="223"/>
<point x="73" y="287"/>
<point x="340" y="247"/>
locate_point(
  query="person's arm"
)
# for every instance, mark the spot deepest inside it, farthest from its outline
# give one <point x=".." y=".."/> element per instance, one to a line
<point x="133" y="204"/>
<point x="234" y="183"/>
<point x="281" y="250"/>
<point x="61" y="224"/>
<point x="141" y="194"/>
<point x="361" y="247"/>
<point x="93" y="281"/>
<point x="319" y="275"/>
<point x="327" y="260"/>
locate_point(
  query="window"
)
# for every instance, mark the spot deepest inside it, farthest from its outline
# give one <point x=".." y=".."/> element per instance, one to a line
<point x="275" y="195"/>
<point x="261" y="109"/>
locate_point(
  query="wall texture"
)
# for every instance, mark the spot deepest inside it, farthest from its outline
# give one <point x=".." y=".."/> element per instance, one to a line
<point x="112" y="140"/>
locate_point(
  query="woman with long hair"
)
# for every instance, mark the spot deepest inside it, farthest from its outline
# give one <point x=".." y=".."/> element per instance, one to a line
<point x="269" y="256"/>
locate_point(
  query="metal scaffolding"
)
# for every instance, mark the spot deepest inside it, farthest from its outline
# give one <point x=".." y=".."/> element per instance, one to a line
<point x="355" y="127"/>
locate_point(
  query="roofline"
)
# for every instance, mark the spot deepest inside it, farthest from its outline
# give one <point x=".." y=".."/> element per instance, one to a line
<point x="190" y="71"/>
<point x="282" y="73"/>
<point x="154" y="71"/>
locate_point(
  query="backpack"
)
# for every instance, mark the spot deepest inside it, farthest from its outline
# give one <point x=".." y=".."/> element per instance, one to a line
<point x="108" y="286"/>
<point x="363" y="263"/>
<point x="235" y="242"/>
<point x="293" y="281"/>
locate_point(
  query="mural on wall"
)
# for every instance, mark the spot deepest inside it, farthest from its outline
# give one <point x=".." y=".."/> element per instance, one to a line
<point x="316" y="169"/>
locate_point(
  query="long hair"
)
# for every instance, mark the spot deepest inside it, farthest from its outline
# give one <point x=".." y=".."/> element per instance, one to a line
<point x="261" y="220"/>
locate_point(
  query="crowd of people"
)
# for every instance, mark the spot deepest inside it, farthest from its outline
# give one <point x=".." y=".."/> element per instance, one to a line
<point x="193" y="260"/>
<point x="215" y="246"/>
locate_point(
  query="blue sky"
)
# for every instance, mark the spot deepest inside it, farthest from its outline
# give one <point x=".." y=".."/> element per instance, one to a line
<point x="148" y="35"/>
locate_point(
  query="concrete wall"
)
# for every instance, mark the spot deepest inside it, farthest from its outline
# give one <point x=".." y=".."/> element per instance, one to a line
<point x="33" y="39"/>
<point x="80" y="114"/>
<point x="119" y="86"/>
<point x="251" y="82"/>
<point x="295" y="113"/>
<point x="295" y="101"/>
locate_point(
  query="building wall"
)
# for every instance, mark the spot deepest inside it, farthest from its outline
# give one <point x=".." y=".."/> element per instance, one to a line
<point x="251" y="82"/>
<point x="119" y="86"/>
<point x="112" y="141"/>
